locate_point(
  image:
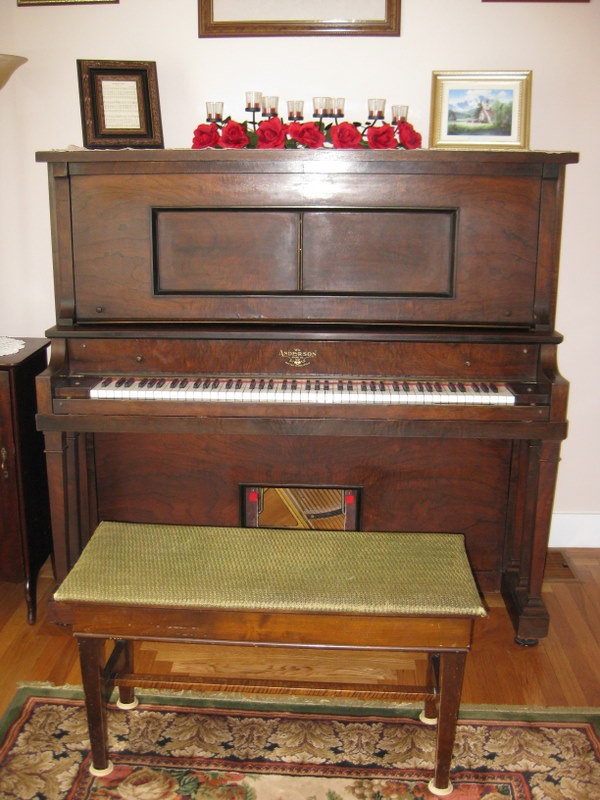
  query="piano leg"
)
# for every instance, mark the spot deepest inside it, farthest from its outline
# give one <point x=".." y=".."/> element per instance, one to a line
<point x="522" y="587"/>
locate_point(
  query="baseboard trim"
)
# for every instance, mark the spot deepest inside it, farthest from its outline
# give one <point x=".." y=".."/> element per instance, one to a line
<point x="575" y="530"/>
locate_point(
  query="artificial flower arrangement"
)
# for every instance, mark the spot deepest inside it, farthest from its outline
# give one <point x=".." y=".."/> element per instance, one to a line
<point x="274" y="134"/>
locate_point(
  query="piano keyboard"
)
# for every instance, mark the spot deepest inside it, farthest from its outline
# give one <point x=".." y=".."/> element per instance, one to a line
<point x="303" y="390"/>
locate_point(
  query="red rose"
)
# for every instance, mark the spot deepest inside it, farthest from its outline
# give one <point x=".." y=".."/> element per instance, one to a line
<point x="271" y="134"/>
<point x="408" y="136"/>
<point x="381" y="137"/>
<point x="205" y="136"/>
<point x="307" y="134"/>
<point x="234" y="135"/>
<point x="345" y="136"/>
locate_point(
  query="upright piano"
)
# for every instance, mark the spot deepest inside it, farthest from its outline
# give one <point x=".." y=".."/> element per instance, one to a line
<point x="376" y="321"/>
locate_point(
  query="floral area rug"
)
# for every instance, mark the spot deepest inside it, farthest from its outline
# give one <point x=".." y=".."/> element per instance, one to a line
<point x="180" y="747"/>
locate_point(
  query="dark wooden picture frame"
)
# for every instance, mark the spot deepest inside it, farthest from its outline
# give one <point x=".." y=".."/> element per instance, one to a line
<point x="120" y="105"/>
<point x="211" y="25"/>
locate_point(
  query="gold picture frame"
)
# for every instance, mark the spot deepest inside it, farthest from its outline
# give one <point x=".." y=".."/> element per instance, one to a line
<point x="251" y="18"/>
<point x="61" y="2"/>
<point x="119" y="104"/>
<point x="480" y="110"/>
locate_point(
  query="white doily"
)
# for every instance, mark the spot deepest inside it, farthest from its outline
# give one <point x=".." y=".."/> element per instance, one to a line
<point x="10" y="346"/>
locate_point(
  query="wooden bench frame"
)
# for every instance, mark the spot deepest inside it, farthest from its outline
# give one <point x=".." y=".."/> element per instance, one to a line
<point x="444" y="637"/>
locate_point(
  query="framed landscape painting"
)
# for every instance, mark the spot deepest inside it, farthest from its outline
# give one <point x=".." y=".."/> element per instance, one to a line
<point x="485" y="110"/>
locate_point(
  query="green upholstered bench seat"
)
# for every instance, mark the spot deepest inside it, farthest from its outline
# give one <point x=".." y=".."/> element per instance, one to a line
<point x="274" y="570"/>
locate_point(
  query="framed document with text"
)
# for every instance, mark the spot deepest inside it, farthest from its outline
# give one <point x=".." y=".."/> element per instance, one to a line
<point x="119" y="104"/>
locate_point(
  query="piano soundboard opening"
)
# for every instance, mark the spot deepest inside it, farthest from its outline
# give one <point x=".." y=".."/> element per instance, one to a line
<point x="313" y="507"/>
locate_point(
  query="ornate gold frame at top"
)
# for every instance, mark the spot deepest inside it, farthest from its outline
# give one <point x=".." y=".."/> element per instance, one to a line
<point x="60" y="2"/>
<point x="208" y="26"/>
<point x="444" y="81"/>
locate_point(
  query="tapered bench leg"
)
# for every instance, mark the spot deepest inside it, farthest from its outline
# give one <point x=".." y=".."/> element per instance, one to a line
<point x="451" y="672"/>
<point x="127" y="699"/>
<point x="91" y="655"/>
<point x="429" y="714"/>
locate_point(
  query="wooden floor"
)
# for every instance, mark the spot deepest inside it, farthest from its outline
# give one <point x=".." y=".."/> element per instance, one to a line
<point x="562" y="670"/>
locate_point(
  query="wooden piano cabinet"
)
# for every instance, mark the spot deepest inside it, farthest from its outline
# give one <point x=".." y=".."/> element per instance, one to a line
<point x="25" y="539"/>
<point x="435" y="266"/>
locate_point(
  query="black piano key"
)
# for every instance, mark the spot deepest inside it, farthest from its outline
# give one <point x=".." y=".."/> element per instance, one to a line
<point x="406" y="386"/>
<point x="183" y="383"/>
<point x="396" y="386"/>
<point x="207" y="383"/>
<point x="475" y="388"/>
<point x="120" y="382"/>
<point x="461" y="387"/>
<point x="437" y="386"/>
<point x="452" y="387"/>
<point x="493" y="388"/>
<point x="294" y="385"/>
<point x="381" y="386"/>
<point x="420" y="386"/>
<point x="160" y="382"/>
<point x="253" y="384"/>
<point x="428" y="386"/>
<point x="270" y="384"/>
<point x="106" y="381"/>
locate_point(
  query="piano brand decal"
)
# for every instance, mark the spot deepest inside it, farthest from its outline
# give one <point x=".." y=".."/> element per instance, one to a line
<point x="297" y="357"/>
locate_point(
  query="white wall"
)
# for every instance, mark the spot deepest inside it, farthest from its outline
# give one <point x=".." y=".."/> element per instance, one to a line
<point x="560" y="42"/>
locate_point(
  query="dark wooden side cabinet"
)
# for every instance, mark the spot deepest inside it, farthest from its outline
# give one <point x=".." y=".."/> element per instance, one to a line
<point x="25" y="537"/>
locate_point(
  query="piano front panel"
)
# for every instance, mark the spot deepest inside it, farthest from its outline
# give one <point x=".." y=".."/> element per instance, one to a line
<point x="370" y="248"/>
<point x="457" y="485"/>
<point x="268" y="353"/>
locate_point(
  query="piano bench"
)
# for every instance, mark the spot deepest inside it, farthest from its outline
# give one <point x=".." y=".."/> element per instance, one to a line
<point x="271" y="587"/>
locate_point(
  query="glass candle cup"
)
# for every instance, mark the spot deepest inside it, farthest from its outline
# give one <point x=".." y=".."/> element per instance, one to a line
<point x="376" y="108"/>
<point x="270" y="104"/>
<point x="399" y="114"/>
<point x="338" y="104"/>
<point x="253" y="101"/>
<point x="322" y="106"/>
<point x="295" y="109"/>
<point x="214" y="111"/>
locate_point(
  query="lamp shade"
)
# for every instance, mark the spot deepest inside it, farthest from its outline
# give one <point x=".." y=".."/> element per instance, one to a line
<point x="8" y="64"/>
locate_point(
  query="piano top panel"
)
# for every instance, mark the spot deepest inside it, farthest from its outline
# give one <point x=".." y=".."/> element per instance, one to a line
<point x="509" y="162"/>
<point x="409" y="237"/>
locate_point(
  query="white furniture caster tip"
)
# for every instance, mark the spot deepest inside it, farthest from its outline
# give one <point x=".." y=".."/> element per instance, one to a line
<point x="99" y="773"/>
<point x="427" y="720"/>
<point x="439" y="792"/>
<point x="128" y="706"/>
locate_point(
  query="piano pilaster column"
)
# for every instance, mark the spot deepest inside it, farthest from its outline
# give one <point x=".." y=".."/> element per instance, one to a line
<point x="64" y="466"/>
<point x="523" y="591"/>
